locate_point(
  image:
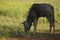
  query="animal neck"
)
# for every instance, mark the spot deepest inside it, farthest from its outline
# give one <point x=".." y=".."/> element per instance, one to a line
<point x="29" y="21"/>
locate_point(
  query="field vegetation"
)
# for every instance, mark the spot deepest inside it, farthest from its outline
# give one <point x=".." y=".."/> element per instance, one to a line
<point x="14" y="12"/>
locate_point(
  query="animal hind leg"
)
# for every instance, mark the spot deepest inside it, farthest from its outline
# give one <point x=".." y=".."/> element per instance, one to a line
<point x="51" y="23"/>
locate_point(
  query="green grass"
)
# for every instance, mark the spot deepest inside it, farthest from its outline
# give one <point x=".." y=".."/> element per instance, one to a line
<point x="12" y="14"/>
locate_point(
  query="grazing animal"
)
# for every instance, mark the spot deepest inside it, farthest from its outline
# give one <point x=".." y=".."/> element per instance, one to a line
<point x="39" y="10"/>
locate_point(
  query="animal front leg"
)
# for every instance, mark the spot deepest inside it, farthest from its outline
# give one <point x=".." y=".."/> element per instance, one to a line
<point x="35" y="25"/>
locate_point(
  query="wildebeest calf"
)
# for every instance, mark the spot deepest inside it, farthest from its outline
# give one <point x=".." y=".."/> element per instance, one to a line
<point x="39" y="10"/>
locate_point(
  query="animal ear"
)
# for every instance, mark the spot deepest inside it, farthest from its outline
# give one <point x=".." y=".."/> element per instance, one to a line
<point x="23" y="22"/>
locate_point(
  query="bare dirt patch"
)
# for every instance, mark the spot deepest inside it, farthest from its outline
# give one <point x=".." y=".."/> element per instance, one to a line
<point x="38" y="36"/>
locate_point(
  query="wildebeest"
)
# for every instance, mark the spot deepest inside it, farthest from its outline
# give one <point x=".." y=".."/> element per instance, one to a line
<point x="39" y="10"/>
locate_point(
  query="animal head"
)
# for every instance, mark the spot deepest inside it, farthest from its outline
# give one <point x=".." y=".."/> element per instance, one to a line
<point x="26" y="26"/>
